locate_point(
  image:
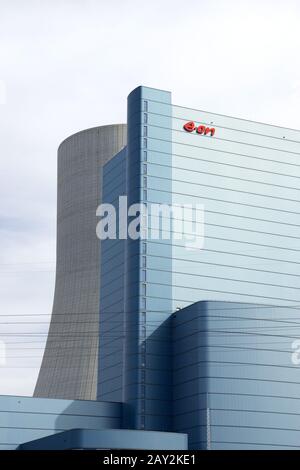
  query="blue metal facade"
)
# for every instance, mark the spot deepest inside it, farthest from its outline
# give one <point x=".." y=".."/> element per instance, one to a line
<point x="50" y="424"/>
<point x="109" y="439"/>
<point x="24" y="419"/>
<point x="147" y="358"/>
<point x="111" y="328"/>
<point x="247" y="179"/>
<point x="235" y="385"/>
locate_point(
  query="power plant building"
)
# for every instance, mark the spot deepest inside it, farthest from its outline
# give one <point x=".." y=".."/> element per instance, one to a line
<point x="194" y="336"/>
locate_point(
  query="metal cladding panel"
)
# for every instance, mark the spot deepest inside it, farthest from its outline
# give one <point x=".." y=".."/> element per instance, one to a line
<point x="246" y="177"/>
<point x="24" y="419"/>
<point x="109" y="439"/>
<point x="111" y="334"/>
<point x="143" y="338"/>
<point x="235" y="382"/>
<point x="70" y="364"/>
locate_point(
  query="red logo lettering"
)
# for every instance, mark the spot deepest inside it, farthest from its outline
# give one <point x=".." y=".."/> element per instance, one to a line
<point x="202" y="130"/>
<point x="210" y="130"/>
<point x="189" y="126"/>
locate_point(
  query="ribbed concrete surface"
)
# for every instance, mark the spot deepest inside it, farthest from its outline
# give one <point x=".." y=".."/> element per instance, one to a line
<point x="69" y="366"/>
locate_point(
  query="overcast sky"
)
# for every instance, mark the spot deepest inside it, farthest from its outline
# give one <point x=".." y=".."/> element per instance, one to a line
<point x="66" y="65"/>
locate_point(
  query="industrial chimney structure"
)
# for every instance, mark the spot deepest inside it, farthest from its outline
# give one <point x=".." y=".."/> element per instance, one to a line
<point x="70" y="362"/>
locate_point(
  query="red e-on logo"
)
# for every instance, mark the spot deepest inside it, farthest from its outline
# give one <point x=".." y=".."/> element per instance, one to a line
<point x="191" y="126"/>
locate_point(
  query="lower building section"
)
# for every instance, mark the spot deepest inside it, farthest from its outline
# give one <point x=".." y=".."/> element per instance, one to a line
<point x="234" y="378"/>
<point x="24" y="419"/>
<point x="52" y="424"/>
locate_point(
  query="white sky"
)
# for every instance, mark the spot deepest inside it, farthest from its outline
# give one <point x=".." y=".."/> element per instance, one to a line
<point x="66" y="65"/>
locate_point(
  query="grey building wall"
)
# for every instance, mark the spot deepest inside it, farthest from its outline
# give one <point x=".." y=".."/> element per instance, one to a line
<point x="70" y="362"/>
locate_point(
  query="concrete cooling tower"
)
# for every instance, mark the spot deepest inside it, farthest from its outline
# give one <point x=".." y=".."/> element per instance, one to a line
<point x="70" y="362"/>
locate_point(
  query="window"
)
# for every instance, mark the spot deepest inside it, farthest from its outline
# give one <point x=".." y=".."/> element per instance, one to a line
<point x="145" y="106"/>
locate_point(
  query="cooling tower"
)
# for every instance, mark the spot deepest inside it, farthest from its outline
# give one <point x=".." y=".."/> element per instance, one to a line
<point x="70" y="362"/>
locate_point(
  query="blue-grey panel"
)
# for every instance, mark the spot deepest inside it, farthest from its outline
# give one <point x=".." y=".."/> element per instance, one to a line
<point x="143" y="335"/>
<point x="111" y="328"/>
<point x="109" y="439"/>
<point x="234" y="375"/>
<point x="23" y="419"/>
<point x="19" y="404"/>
